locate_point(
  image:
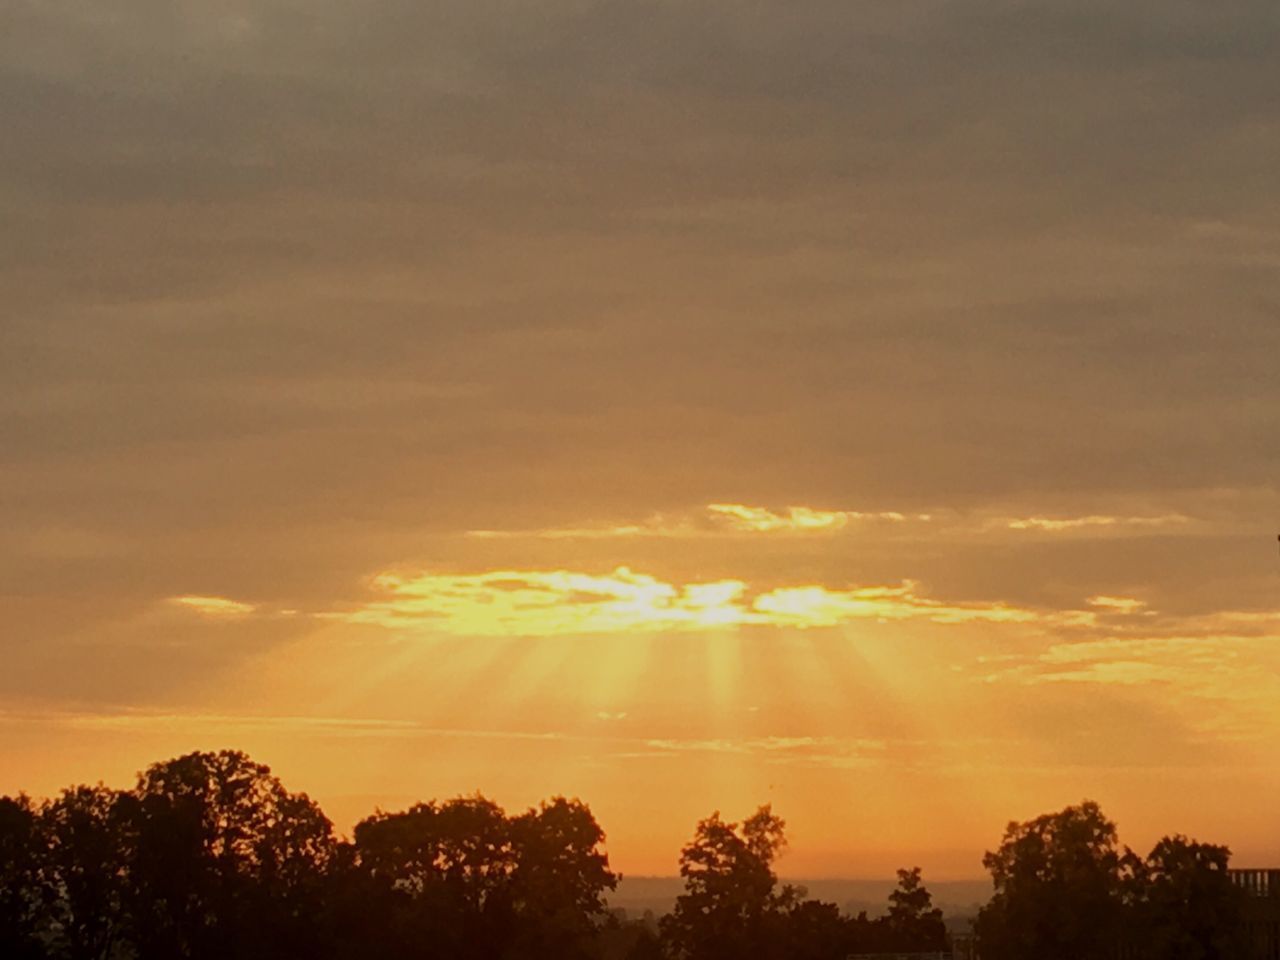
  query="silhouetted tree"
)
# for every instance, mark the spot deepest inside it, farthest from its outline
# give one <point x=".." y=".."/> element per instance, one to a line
<point x="1186" y="906"/>
<point x="23" y="893"/>
<point x="90" y="842"/>
<point x="624" y="938"/>
<point x="228" y="862"/>
<point x="1059" y="889"/>
<point x="647" y="946"/>
<point x="913" y="924"/>
<point x="729" y="908"/>
<point x="211" y="857"/>
<point x="560" y="878"/>
<point x="461" y="879"/>
<point x="813" y="930"/>
<point x="440" y="875"/>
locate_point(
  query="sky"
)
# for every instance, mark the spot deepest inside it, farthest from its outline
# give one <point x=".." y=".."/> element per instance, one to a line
<point x="865" y="408"/>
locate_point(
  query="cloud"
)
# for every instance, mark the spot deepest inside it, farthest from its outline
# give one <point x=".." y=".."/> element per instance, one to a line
<point x="840" y="752"/>
<point x="816" y="606"/>
<point x="1235" y="674"/>
<point x="215" y="607"/>
<point x="1063" y="524"/>
<point x="1119" y="605"/>
<point x="834" y="752"/>
<point x="655" y="527"/>
<point x="562" y="602"/>
<point x="794" y="519"/>
<point x="715" y="520"/>
<point x="740" y="519"/>
<point x="549" y="603"/>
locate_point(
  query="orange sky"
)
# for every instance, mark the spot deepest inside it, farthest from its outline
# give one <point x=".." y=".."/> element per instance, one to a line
<point x="868" y="409"/>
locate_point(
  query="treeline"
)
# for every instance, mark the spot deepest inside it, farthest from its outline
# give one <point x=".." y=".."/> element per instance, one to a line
<point x="209" y="857"/>
<point x="1064" y="889"/>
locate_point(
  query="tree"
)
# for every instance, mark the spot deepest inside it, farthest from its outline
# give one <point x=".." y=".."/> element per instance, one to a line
<point x="23" y="894"/>
<point x="1059" y="889"/>
<point x="440" y="874"/>
<point x="1187" y="907"/>
<point x="228" y="862"/>
<point x="560" y="879"/>
<point x="89" y="846"/>
<point x="461" y="879"/>
<point x="914" y="925"/>
<point x="813" y="930"/>
<point x="729" y="908"/>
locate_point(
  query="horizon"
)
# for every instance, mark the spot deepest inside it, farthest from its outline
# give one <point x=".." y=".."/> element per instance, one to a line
<point x="868" y="410"/>
<point x="886" y="862"/>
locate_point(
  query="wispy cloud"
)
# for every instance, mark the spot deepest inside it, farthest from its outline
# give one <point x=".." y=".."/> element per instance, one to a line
<point x="563" y="602"/>
<point x="1119" y="605"/>
<point x="214" y="607"/>
<point x="822" y="750"/>
<point x="741" y="519"/>
<point x="817" y="606"/>
<point x="1064" y="524"/>
<point x="749" y="519"/>
<point x="546" y="603"/>
<point x="1223" y="668"/>
<point x="130" y="720"/>
<point x="713" y="520"/>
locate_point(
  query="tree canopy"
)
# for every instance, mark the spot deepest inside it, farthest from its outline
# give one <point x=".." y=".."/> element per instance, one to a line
<point x="209" y="856"/>
<point x="1064" y="889"/>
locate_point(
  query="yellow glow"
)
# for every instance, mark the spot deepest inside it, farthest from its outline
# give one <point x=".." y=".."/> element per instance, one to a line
<point x="1117" y="604"/>
<point x="549" y="603"/>
<point x="749" y="519"/>
<point x="564" y="603"/>
<point x="820" y="607"/>
<point x="760" y="520"/>
<point x="1058" y="525"/>
<point x="714" y="520"/>
<point x="214" y="606"/>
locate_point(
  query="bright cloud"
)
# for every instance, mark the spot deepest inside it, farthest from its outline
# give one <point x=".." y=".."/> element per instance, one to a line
<point x="1063" y="524"/>
<point x="214" y="607"/>
<point x="747" y="519"/>
<point x="653" y="528"/>
<point x="547" y="603"/>
<point x="737" y="519"/>
<point x="1120" y="605"/>
<point x="814" y="606"/>
<point x="561" y="602"/>
<point x="715" y="519"/>
<point x="1222" y="668"/>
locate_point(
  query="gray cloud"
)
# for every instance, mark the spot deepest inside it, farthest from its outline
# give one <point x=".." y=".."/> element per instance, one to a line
<point x="322" y="284"/>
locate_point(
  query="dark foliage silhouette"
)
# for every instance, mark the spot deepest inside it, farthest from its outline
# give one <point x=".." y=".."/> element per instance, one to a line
<point x="1058" y="888"/>
<point x="461" y="879"/>
<point x="1185" y="905"/>
<point x="209" y="856"/>
<point x="227" y="862"/>
<point x="22" y="892"/>
<point x="730" y="906"/>
<point x="733" y="907"/>
<point x="89" y="847"/>
<point x="1066" y="890"/>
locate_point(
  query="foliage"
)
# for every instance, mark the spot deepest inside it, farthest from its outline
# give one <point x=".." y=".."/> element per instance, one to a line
<point x="733" y="907"/>
<point x="209" y="856"/>
<point x="1065" y="890"/>
<point x="22" y="891"/>
<point x="462" y="879"/>
<point x="729" y="908"/>
<point x="227" y="861"/>
<point x="1185" y="905"/>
